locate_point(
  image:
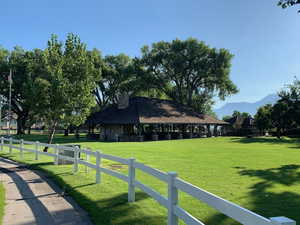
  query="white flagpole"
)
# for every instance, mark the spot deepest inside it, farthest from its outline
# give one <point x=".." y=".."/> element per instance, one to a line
<point x="9" y="105"/>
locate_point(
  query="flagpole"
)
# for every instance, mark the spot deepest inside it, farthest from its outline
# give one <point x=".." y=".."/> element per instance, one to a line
<point x="9" y="105"/>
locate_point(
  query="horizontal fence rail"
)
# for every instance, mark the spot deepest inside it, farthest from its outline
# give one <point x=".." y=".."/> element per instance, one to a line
<point x="175" y="184"/>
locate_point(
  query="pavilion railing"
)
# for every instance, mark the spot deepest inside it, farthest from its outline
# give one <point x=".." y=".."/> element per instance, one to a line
<point x="175" y="184"/>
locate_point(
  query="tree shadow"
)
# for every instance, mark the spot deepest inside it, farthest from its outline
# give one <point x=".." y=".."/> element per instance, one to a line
<point x="265" y="201"/>
<point x="58" y="139"/>
<point x="266" y="140"/>
<point x="286" y="174"/>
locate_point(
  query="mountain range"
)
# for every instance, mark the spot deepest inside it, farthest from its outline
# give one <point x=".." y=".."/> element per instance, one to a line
<point x="248" y="107"/>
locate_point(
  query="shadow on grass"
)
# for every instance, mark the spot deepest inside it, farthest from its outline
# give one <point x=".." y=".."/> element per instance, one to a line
<point x="58" y="139"/>
<point x="108" y="211"/>
<point x="266" y="140"/>
<point x="265" y="201"/>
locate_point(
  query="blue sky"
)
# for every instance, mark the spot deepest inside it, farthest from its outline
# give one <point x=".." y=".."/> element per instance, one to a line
<point x="263" y="37"/>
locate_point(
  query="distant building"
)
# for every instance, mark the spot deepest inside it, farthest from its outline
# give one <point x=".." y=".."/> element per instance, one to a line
<point x="241" y="126"/>
<point x="141" y="118"/>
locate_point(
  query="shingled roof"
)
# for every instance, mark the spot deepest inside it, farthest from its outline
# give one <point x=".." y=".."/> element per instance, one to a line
<point x="142" y="110"/>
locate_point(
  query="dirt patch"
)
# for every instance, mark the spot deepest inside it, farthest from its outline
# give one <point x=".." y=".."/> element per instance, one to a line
<point x="117" y="166"/>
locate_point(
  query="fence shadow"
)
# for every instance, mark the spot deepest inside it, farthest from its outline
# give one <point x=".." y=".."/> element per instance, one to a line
<point x="36" y="206"/>
<point x="263" y="199"/>
<point x="108" y="211"/>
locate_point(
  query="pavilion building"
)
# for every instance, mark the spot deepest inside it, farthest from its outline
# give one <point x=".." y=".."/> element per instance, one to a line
<point x="141" y="118"/>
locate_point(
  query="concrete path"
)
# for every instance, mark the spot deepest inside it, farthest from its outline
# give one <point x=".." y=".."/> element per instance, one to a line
<point x="33" y="199"/>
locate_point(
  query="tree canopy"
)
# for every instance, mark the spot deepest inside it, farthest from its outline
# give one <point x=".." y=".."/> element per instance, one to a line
<point x="21" y="63"/>
<point x="284" y="114"/>
<point x="263" y="119"/>
<point x="189" y="71"/>
<point x="236" y="113"/>
<point x="118" y="77"/>
<point x="61" y="84"/>
<point x="65" y="89"/>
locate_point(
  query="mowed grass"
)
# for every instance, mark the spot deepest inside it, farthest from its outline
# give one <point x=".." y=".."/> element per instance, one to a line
<point x="261" y="174"/>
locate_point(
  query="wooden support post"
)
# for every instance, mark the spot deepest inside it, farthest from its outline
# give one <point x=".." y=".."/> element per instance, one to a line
<point x="208" y="130"/>
<point x="215" y="130"/>
<point x="98" y="169"/>
<point x="172" y="199"/>
<point x="131" y="180"/>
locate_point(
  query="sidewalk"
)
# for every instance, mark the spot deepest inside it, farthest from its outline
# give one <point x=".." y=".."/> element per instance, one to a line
<point x="33" y="199"/>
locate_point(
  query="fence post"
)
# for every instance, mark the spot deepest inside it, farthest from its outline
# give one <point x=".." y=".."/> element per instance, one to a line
<point x="131" y="179"/>
<point x="282" y="221"/>
<point x="21" y="148"/>
<point x="2" y="143"/>
<point x="37" y="150"/>
<point x="56" y="154"/>
<point x="172" y="199"/>
<point x="87" y="159"/>
<point x="98" y="166"/>
<point x="10" y="145"/>
<point x="76" y="156"/>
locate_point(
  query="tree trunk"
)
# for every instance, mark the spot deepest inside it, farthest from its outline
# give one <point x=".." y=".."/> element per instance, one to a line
<point x="72" y="129"/>
<point x="190" y="95"/>
<point x="77" y="133"/>
<point x="66" y="132"/>
<point x="21" y="125"/>
<point x="29" y="130"/>
<point x="278" y="133"/>
<point x="51" y="135"/>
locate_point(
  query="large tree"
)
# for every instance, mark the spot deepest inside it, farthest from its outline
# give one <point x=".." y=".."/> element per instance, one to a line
<point x="120" y="75"/>
<point x="20" y="62"/>
<point x="189" y="72"/>
<point x="280" y="118"/>
<point x="263" y="119"/>
<point x="66" y="88"/>
<point x="291" y="97"/>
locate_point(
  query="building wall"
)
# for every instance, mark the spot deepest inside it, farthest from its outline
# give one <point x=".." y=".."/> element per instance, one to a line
<point x="110" y="132"/>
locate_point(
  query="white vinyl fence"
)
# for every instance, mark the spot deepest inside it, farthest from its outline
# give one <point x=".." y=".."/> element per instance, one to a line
<point x="175" y="184"/>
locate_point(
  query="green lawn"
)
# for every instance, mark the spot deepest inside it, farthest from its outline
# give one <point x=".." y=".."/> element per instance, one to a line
<point x="261" y="174"/>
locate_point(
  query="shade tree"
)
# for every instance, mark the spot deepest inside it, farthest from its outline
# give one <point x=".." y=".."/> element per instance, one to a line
<point x="189" y="72"/>
<point x="263" y="118"/>
<point x="66" y="88"/>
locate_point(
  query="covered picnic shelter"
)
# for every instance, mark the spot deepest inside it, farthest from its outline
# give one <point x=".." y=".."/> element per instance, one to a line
<point x="142" y="118"/>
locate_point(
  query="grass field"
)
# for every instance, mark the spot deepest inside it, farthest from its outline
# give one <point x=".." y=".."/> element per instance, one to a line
<point x="261" y="174"/>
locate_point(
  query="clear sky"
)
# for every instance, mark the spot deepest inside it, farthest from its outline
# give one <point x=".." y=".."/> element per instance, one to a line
<point x="263" y="37"/>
